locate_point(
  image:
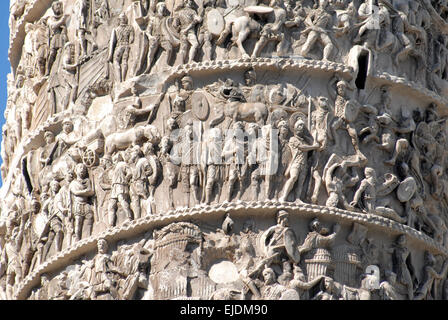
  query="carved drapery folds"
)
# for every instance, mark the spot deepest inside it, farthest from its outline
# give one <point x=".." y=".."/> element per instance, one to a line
<point x="123" y="112"/>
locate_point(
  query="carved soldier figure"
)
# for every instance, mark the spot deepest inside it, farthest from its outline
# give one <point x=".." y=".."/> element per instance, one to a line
<point x="280" y="242"/>
<point x="387" y="287"/>
<point x="233" y="154"/>
<point x="101" y="278"/>
<point x="13" y="260"/>
<point x="54" y="229"/>
<point x="69" y="69"/>
<point x="63" y="203"/>
<point x="430" y="275"/>
<point x="158" y="39"/>
<point x="82" y="12"/>
<point x="272" y="31"/>
<point x="271" y="289"/>
<point x="316" y="247"/>
<point x="81" y="189"/>
<point x="318" y="23"/>
<point x="120" y="45"/>
<point x="189" y="173"/>
<point x="402" y="265"/>
<point x="368" y="190"/>
<point x="188" y="20"/>
<point x="139" y="187"/>
<point x="171" y="169"/>
<point x="128" y="116"/>
<point x="58" y="32"/>
<point x="211" y="161"/>
<point x="300" y="145"/>
<point x="121" y="178"/>
<point x="66" y="138"/>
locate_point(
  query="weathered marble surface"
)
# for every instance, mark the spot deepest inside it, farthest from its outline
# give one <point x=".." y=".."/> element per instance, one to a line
<point x="218" y="149"/>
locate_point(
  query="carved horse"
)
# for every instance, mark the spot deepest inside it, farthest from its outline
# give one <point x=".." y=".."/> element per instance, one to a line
<point x="241" y="111"/>
<point x="241" y="28"/>
<point x="122" y="140"/>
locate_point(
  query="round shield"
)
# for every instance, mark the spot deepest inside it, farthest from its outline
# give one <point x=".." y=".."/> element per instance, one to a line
<point x="200" y="106"/>
<point x="294" y="117"/>
<point x="215" y="22"/>
<point x="258" y="9"/>
<point x="407" y="189"/>
<point x="351" y="111"/>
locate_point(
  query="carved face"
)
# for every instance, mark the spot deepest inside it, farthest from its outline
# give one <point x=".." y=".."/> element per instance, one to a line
<point x="323" y="103"/>
<point x="268" y="276"/>
<point x="401" y="240"/>
<point x="68" y="126"/>
<point x="187" y="83"/>
<point x="102" y="246"/>
<point x="54" y="186"/>
<point x="20" y="81"/>
<point x="123" y="19"/>
<point x="49" y="137"/>
<point x="299" y="128"/>
<point x="81" y="171"/>
<point x="57" y="8"/>
<point x="250" y="77"/>
<point x="161" y="9"/>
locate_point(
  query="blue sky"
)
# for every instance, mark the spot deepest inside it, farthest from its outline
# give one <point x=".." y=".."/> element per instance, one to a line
<point x="4" y="62"/>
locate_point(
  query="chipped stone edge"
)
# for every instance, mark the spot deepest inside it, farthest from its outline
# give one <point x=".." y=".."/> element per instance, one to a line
<point x="241" y="208"/>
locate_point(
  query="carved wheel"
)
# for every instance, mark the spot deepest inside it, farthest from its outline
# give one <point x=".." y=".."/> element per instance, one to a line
<point x="200" y="106"/>
<point x="89" y="158"/>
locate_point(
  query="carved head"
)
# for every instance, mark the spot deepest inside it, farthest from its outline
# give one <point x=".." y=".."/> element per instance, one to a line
<point x="58" y="8"/>
<point x="102" y="246"/>
<point x="165" y="144"/>
<point x="385" y="93"/>
<point x="49" y="137"/>
<point x="341" y="87"/>
<point x="187" y="83"/>
<point x="20" y="81"/>
<point x="369" y="172"/>
<point x="69" y="175"/>
<point x="299" y="127"/>
<point x="252" y="130"/>
<point x="323" y="4"/>
<point x="161" y="9"/>
<point x="44" y="280"/>
<point x="250" y="77"/>
<point x="401" y="240"/>
<point x="67" y="125"/>
<point x="269" y="276"/>
<point x="323" y="102"/>
<point x="81" y="170"/>
<point x="283" y="218"/>
<point x="283" y="128"/>
<point x="106" y="162"/>
<point x="35" y="205"/>
<point x="54" y="186"/>
<point x="188" y="129"/>
<point x="315" y="225"/>
<point x="123" y="19"/>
